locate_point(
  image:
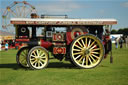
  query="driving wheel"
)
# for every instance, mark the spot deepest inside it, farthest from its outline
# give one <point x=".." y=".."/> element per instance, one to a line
<point x="86" y="51"/>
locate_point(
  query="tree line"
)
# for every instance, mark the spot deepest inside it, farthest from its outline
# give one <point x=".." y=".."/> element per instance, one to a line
<point x="123" y="31"/>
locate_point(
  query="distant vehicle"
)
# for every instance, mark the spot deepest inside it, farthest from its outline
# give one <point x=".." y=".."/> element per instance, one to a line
<point x="115" y="36"/>
<point x="64" y="38"/>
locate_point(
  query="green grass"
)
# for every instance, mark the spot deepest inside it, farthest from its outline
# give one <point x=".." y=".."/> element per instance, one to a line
<point x="63" y="73"/>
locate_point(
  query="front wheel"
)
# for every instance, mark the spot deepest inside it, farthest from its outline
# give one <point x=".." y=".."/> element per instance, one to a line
<point x="21" y="57"/>
<point x="38" y="58"/>
<point x="86" y="51"/>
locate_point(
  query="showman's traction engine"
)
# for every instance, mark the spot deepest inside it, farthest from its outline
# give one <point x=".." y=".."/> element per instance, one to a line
<point x="84" y="42"/>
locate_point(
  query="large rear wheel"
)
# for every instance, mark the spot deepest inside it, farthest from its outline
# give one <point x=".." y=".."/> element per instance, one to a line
<point x="38" y="58"/>
<point x="87" y="51"/>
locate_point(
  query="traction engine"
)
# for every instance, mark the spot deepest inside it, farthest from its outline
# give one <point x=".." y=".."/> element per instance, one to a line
<point x="69" y="39"/>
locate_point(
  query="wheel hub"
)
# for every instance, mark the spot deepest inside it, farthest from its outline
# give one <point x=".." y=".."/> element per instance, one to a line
<point x="37" y="59"/>
<point x="85" y="52"/>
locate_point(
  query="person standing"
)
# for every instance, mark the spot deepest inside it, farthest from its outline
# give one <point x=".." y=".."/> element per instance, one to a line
<point x="116" y="42"/>
<point x="126" y="41"/>
<point x="96" y="30"/>
<point x="121" y="42"/>
<point x="6" y="46"/>
<point x="0" y="46"/>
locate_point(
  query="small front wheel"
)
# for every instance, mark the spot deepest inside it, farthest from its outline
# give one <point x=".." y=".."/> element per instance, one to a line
<point x="38" y="58"/>
<point x="21" y="57"/>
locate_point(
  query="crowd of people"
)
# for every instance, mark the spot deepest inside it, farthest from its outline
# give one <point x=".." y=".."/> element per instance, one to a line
<point x="120" y="41"/>
<point x="5" y="45"/>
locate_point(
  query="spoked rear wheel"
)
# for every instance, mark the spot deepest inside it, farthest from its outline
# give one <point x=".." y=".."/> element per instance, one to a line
<point x="38" y="58"/>
<point x="21" y="57"/>
<point x="87" y="51"/>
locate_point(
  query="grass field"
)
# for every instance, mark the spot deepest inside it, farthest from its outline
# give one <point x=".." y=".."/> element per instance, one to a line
<point x="63" y="73"/>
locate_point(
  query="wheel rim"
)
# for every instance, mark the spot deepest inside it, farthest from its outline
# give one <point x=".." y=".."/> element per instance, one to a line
<point x="22" y="57"/>
<point x="87" y="51"/>
<point x="38" y="58"/>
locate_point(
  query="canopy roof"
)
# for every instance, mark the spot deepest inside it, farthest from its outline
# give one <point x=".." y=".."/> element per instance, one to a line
<point x="6" y="35"/>
<point x="40" y="21"/>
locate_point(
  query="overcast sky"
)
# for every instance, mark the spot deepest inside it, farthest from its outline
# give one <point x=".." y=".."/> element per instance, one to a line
<point x="117" y="9"/>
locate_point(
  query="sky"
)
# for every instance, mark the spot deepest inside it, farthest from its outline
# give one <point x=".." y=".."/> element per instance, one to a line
<point x="87" y="9"/>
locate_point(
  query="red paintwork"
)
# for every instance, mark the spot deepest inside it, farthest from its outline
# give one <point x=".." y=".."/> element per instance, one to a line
<point x="23" y="36"/>
<point x="105" y="39"/>
<point x="58" y="37"/>
<point x="59" y="50"/>
<point x="22" y="40"/>
<point x="69" y="38"/>
<point x="17" y="44"/>
<point x="45" y="44"/>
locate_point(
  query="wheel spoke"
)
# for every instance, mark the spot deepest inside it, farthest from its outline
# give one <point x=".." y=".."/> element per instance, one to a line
<point x="92" y="58"/>
<point x="91" y="44"/>
<point x="86" y="42"/>
<point x="87" y="60"/>
<point x="95" y="49"/>
<point x="92" y="47"/>
<point x="34" y="53"/>
<point x="80" y="59"/>
<point x="23" y="60"/>
<point x="95" y="56"/>
<point x="38" y="63"/>
<point x="23" y="55"/>
<point x="77" y="53"/>
<point x="41" y="63"/>
<point x="83" y="61"/>
<point x="33" y="56"/>
<point x="76" y="50"/>
<point x="34" y="61"/>
<point x="24" y="52"/>
<point x="42" y="55"/>
<point x="80" y="44"/>
<point x="37" y="51"/>
<point x="42" y="60"/>
<point x="95" y="52"/>
<point x="77" y="57"/>
<point x="83" y="43"/>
